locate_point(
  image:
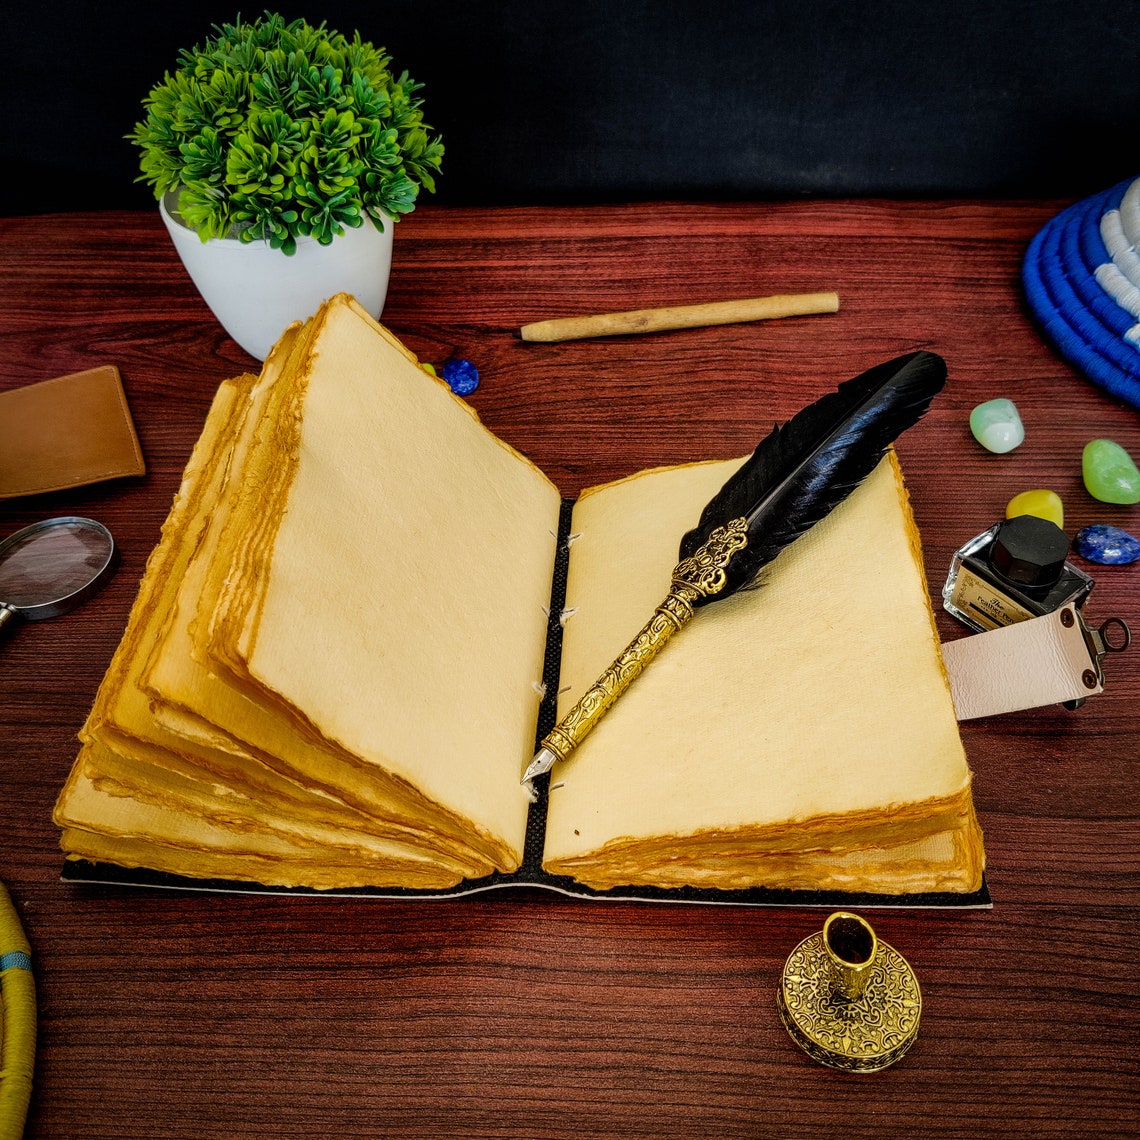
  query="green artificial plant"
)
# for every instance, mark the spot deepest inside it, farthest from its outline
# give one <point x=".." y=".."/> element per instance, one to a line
<point x="273" y="131"/>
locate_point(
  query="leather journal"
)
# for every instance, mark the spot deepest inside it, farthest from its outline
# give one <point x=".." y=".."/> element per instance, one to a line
<point x="301" y="702"/>
<point x="66" y="432"/>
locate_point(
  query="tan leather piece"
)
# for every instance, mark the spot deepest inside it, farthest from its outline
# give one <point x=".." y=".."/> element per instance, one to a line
<point x="1022" y="666"/>
<point x="66" y="432"/>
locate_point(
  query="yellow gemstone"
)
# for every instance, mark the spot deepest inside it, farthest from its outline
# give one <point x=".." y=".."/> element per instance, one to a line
<point x="1042" y="503"/>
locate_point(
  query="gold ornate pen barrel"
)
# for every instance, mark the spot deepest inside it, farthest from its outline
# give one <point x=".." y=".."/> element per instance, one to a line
<point x="670" y="616"/>
<point x="700" y="575"/>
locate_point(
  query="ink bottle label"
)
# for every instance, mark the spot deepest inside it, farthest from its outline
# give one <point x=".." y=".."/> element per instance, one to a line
<point x="972" y="594"/>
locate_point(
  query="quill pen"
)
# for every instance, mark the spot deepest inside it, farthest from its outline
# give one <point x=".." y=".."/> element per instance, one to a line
<point x="794" y="478"/>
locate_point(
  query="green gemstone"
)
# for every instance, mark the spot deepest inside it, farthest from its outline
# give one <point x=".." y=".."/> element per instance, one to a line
<point x="1109" y="473"/>
<point x="997" y="426"/>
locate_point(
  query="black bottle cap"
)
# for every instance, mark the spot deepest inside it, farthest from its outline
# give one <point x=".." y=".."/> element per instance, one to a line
<point x="1029" y="551"/>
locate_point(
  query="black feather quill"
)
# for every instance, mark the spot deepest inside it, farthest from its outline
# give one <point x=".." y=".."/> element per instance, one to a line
<point x="793" y="479"/>
<point x="804" y="469"/>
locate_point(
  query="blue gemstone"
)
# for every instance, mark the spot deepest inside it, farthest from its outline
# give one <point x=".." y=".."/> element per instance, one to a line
<point x="1108" y="545"/>
<point x="461" y="375"/>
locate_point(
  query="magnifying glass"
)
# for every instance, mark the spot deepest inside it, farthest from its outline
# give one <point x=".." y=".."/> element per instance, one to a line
<point x="50" y="567"/>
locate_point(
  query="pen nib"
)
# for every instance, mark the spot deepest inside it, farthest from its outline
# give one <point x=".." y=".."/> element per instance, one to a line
<point x="541" y="764"/>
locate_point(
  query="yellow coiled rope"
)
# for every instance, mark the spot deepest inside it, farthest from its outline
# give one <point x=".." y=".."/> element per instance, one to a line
<point x="17" y="1022"/>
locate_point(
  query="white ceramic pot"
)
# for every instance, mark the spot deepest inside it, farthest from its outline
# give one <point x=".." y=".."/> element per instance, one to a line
<point x="256" y="292"/>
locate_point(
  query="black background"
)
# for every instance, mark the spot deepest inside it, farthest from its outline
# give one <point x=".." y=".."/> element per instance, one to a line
<point x="542" y="102"/>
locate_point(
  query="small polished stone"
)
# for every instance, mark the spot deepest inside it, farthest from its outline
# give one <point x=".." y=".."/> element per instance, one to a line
<point x="1108" y="545"/>
<point x="1110" y="474"/>
<point x="997" y="426"/>
<point x="1043" y="503"/>
<point x="461" y="375"/>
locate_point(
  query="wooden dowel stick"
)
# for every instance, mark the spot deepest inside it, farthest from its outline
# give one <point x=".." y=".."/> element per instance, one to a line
<point x="681" y="317"/>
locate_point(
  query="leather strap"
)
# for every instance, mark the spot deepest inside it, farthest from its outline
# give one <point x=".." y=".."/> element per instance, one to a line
<point x="66" y="432"/>
<point x="1042" y="661"/>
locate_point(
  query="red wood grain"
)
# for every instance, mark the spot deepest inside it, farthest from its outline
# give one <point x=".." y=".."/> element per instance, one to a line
<point x="522" y="1015"/>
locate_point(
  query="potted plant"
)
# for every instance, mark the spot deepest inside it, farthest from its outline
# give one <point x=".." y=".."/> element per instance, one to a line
<point x="281" y="154"/>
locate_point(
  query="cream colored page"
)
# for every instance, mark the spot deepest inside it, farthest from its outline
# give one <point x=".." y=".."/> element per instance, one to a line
<point x="404" y="606"/>
<point x="172" y="670"/>
<point x="820" y="692"/>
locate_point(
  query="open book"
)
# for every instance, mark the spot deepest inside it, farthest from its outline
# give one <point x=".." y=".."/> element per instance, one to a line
<point x="333" y="672"/>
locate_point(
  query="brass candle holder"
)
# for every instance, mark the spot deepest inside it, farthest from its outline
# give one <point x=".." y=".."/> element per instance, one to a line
<point x="849" y="1000"/>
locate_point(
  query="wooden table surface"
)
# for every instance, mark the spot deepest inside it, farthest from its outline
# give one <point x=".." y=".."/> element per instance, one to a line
<point x="525" y="1014"/>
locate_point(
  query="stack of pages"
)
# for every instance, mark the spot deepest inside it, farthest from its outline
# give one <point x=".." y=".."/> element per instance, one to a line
<point x="331" y="675"/>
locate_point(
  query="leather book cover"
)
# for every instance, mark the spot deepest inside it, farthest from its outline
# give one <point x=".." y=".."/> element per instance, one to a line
<point x="66" y="432"/>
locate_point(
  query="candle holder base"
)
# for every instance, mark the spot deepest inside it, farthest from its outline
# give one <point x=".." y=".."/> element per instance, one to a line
<point x="860" y="1035"/>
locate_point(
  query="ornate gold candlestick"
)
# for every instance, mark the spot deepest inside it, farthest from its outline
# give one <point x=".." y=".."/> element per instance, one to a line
<point x="849" y="1000"/>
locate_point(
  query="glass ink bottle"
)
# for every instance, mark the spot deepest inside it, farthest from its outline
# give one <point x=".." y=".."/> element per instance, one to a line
<point x="1014" y="571"/>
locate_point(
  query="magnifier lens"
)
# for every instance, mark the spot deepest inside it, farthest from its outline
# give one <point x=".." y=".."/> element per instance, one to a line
<point x="49" y="563"/>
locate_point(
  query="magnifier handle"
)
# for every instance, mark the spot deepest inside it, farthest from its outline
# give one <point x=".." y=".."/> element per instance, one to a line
<point x="8" y="617"/>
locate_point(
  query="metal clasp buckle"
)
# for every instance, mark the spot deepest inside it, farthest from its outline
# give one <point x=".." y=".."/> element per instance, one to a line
<point x="1098" y="643"/>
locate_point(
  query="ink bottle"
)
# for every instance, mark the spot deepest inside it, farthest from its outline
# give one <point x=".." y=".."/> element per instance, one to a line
<point x="1014" y="571"/>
